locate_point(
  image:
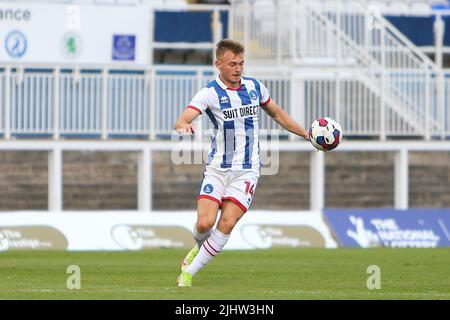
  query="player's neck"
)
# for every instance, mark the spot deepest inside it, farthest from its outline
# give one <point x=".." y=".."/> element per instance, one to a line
<point x="231" y="85"/>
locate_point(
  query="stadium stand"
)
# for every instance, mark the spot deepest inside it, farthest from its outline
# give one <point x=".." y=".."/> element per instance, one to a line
<point x="182" y="63"/>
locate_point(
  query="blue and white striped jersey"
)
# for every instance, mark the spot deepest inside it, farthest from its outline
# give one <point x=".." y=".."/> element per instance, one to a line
<point x="234" y="115"/>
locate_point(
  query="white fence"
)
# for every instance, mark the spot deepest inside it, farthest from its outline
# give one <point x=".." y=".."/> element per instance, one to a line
<point x="106" y="104"/>
<point x="103" y="103"/>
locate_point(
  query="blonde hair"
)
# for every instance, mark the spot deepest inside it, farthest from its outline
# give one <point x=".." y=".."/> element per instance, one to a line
<point x="228" y="44"/>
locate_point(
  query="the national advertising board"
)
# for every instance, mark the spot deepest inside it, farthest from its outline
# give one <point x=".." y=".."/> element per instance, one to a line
<point x="412" y="228"/>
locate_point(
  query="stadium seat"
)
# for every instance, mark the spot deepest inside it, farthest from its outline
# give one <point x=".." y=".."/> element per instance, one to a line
<point x="129" y="2"/>
<point x="381" y="5"/>
<point x="173" y="58"/>
<point x="110" y="2"/>
<point x="197" y="58"/>
<point x="158" y="56"/>
<point x="420" y="8"/>
<point x="178" y="4"/>
<point x="398" y="8"/>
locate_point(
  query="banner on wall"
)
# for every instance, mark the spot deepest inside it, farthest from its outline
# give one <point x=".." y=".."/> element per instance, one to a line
<point x="79" y="34"/>
<point x="131" y="230"/>
<point x="412" y="228"/>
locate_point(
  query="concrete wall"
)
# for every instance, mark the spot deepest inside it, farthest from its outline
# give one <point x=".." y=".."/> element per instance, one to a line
<point x="23" y="180"/>
<point x="107" y="180"/>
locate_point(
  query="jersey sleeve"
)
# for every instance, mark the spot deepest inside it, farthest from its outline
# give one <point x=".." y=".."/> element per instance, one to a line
<point x="265" y="97"/>
<point x="200" y="101"/>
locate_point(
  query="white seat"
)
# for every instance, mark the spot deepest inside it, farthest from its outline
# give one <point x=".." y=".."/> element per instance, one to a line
<point x="129" y="2"/>
<point x="420" y="9"/>
<point x="176" y="4"/>
<point x="110" y="2"/>
<point x="381" y="6"/>
<point x="398" y="8"/>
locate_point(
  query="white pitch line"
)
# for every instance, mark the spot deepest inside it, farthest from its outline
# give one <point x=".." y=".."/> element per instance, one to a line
<point x="433" y="294"/>
<point x="87" y="291"/>
<point x="356" y="293"/>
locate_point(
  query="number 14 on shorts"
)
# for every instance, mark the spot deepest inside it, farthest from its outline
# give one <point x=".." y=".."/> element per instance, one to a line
<point x="249" y="188"/>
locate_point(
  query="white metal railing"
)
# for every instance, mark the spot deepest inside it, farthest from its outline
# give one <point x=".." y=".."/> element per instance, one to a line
<point x="107" y="104"/>
<point x="82" y="99"/>
<point x="350" y="99"/>
<point x="126" y="109"/>
<point x="3" y="97"/>
<point x="30" y="103"/>
<point x="147" y="103"/>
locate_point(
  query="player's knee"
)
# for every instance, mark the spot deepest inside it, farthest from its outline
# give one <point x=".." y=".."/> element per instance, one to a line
<point x="204" y="225"/>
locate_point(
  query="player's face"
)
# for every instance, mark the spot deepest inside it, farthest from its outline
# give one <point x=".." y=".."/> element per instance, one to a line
<point x="231" y="66"/>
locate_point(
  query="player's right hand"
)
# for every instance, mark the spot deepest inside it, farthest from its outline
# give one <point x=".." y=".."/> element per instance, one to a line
<point x="188" y="128"/>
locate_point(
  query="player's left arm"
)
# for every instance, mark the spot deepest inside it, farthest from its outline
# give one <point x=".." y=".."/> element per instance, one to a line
<point x="284" y="119"/>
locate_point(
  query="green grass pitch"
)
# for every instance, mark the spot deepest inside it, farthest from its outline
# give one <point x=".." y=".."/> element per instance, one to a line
<point x="261" y="274"/>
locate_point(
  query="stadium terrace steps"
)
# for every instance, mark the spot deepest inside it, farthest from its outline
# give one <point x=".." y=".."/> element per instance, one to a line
<point x="107" y="181"/>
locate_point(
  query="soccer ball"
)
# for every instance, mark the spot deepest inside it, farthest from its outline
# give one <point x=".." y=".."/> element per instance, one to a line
<point x="325" y="134"/>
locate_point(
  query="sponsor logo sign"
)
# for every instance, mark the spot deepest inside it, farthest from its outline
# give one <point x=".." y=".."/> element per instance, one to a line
<point x="71" y="45"/>
<point x="31" y="237"/>
<point x="264" y="236"/>
<point x="138" y="237"/>
<point x="124" y="47"/>
<point x="16" y="44"/>
<point x="413" y="228"/>
<point x="47" y="34"/>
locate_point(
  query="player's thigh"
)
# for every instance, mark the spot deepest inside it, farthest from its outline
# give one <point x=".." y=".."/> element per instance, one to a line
<point x="207" y="211"/>
<point x="210" y="198"/>
<point x="242" y="189"/>
<point x="213" y="186"/>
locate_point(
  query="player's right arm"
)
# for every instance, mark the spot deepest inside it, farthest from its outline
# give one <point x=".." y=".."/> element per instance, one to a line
<point x="196" y="107"/>
<point x="184" y="123"/>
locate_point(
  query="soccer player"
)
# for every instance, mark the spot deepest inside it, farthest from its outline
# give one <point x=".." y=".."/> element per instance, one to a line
<point x="231" y="174"/>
